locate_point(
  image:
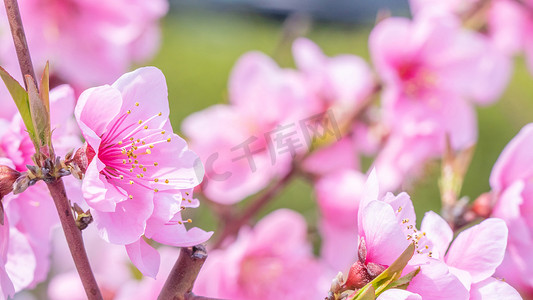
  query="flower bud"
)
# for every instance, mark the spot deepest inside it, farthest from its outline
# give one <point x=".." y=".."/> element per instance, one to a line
<point x="81" y="160"/>
<point x="8" y="177"/>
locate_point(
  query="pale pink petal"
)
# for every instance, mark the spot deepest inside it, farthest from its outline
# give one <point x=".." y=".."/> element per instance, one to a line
<point x="350" y="80"/>
<point x="267" y="231"/>
<point x="98" y="193"/>
<point x="397" y="294"/>
<point x="92" y="119"/>
<point x="436" y="282"/>
<point x="438" y="232"/>
<point x="514" y="160"/>
<point x="6" y="286"/>
<point x="21" y="263"/>
<point x="493" y="289"/>
<point x="479" y="250"/>
<point x="247" y="72"/>
<point x="307" y="55"/>
<point x="389" y="44"/>
<point x="384" y="238"/>
<point x="144" y="257"/>
<point x="148" y="86"/>
<point x="66" y="286"/>
<point x="508" y="23"/>
<point x="176" y="163"/>
<point x="340" y="155"/>
<point x="119" y="227"/>
<point x="178" y="236"/>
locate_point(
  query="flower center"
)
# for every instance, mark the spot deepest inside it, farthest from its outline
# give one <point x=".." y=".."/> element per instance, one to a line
<point x="126" y="147"/>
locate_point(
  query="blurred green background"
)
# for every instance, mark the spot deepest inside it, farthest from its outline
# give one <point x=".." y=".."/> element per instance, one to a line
<point x="200" y="47"/>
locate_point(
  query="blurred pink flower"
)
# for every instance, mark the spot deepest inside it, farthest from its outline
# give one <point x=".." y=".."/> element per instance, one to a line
<point x="32" y="214"/>
<point x="341" y="83"/>
<point x="142" y="173"/>
<point x="253" y="140"/>
<point x="511" y="182"/>
<point x="271" y="261"/>
<point x="432" y="70"/>
<point x="509" y="24"/>
<point x="88" y="42"/>
<point x="338" y="196"/>
<point x="342" y="86"/>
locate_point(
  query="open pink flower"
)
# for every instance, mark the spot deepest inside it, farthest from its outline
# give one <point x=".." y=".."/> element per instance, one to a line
<point x="136" y="153"/>
<point x="271" y="261"/>
<point x="432" y="70"/>
<point x="511" y="182"/>
<point x="115" y="35"/>
<point x="253" y="140"/>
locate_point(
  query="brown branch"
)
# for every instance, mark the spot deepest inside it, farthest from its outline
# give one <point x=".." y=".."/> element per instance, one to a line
<point x="19" y="38"/>
<point x="232" y="228"/>
<point x="181" y="279"/>
<point x="74" y="239"/>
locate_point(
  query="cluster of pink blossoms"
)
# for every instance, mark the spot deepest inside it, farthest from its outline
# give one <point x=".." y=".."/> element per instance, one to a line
<point x="315" y="121"/>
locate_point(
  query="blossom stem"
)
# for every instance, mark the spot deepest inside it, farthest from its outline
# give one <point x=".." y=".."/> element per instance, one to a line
<point x="232" y="227"/>
<point x="181" y="279"/>
<point x="74" y="239"/>
<point x="19" y="38"/>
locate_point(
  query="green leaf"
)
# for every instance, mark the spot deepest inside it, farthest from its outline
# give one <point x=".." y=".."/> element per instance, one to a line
<point x="387" y="278"/>
<point x="20" y="96"/>
<point x="40" y="116"/>
<point x="403" y="282"/>
<point x="44" y="88"/>
<point x="366" y="293"/>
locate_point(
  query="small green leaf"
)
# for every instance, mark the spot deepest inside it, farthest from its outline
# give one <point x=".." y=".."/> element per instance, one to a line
<point x="44" y="88"/>
<point x="20" y="96"/>
<point x="403" y="282"/>
<point x="40" y="116"/>
<point x="366" y="293"/>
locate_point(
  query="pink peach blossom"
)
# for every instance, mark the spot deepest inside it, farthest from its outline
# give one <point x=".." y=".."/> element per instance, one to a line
<point x="115" y="34"/>
<point x="432" y="71"/>
<point x="271" y="261"/>
<point x="142" y="173"/>
<point x="511" y="184"/>
<point x="137" y="154"/>
<point x="239" y="142"/>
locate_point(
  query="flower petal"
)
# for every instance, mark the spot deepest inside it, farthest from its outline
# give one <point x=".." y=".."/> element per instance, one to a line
<point x="144" y="92"/>
<point x="493" y="289"/>
<point x="438" y="232"/>
<point x="92" y="119"/>
<point x="397" y="294"/>
<point x="384" y="238"/>
<point x="144" y="257"/>
<point x="479" y="250"/>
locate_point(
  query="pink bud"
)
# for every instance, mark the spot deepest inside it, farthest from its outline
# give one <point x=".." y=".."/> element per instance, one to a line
<point x="358" y="276"/>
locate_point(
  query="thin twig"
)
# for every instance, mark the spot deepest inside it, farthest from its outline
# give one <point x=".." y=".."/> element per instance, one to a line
<point x="181" y="279"/>
<point x="74" y="239"/>
<point x="19" y="38"/>
<point x="233" y="227"/>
